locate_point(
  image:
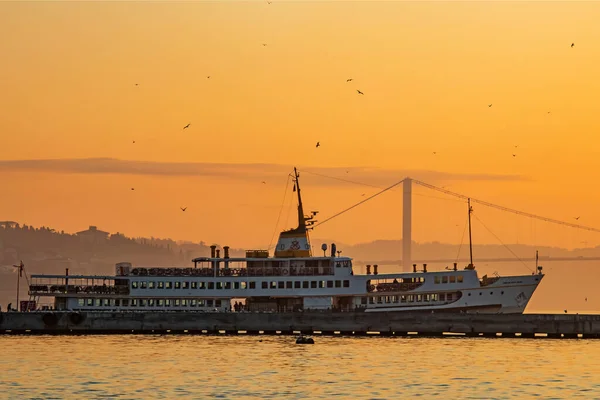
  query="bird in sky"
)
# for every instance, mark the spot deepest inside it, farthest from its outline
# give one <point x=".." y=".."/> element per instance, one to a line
<point x="586" y="299"/>
<point x="318" y="144"/>
<point x="359" y="92"/>
<point x="434" y="153"/>
<point x="183" y="208"/>
<point x="134" y="142"/>
<point x="187" y="126"/>
<point x="132" y="188"/>
<point x="362" y="194"/>
<point x="137" y="84"/>
<point x="264" y="183"/>
<point x="208" y="77"/>
<point x="264" y="44"/>
<point x="514" y="155"/>
<point x="516" y="145"/>
<point x="489" y="105"/>
<point x="349" y="80"/>
<point x="577" y="218"/>
<point x="572" y="45"/>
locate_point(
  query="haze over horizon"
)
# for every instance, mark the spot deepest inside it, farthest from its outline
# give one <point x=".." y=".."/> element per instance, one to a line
<point x="486" y="99"/>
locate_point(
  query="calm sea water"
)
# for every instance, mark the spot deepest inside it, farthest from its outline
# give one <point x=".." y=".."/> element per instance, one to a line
<point x="253" y="367"/>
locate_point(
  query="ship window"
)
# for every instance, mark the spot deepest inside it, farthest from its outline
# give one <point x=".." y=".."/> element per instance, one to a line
<point x="304" y="284"/>
<point x="227" y="285"/>
<point x="371" y="300"/>
<point x="81" y="302"/>
<point x="346" y="283"/>
<point x="194" y="285"/>
<point x="176" y="302"/>
<point x="436" y="279"/>
<point x="265" y="285"/>
<point x="151" y="285"/>
<point x="322" y="284"/>
<point x="112" y="302"/>
<point x="480" y="293"/>
<point x="218" y="303"/>
<point x="161" y="302"/>
<point x="151" y="302"/>
<point x="167" y="302"/>
<point x="177" y="285"/>
<point x="183" y="303"/>
<point x="281" y="285"/>
<point x="144" y="284"/>
<point x="125" y="302"/>
<point x="502" y="292"/>
<point x="449" y="297"/>
<point x="211" y="285"/>
<point x="202" y="285"/>
<point x="134" y="285"/>
<point x="201" y="303"/>
<point x="363" y="300"/>
<point x="444" y="279"/>
<point x="273" y="285"/>
<point x="459" y="278"/>
<point x="434" y="297"/>
<point x="379" y="299"/>
<point x="469" y="294"/>
<point x="219" y="285"/>
<point x="209" y="303"/>
<point x="426" y="297"/>
<point x="289" y="285"/>
<point x="419" y="297"/>
<point x="243" y="285"/>
<point x="117" y="302"/>
<point x="313" y="284"/>
<point x="329" y="284"/>
<point x="143" y="302"/>
<point x="395" y="299"/>
<point x="193" y="302"/>
<point x="442" y="296"/>
<point x="297" y="285"/>
<point x="411" y="298"/>
<point x="186" y="285"/>
<point x="134" y="302"/>
<point x="491" y="293"/>
<point x="161" y="285"/>
<point x="236" y="285"/>
<point x="452" y="279"/>
<point x="402" y="299"/>
<point x="338" y="283"/>
<point x="252" y="285"/>
<point x="168" y="285"/>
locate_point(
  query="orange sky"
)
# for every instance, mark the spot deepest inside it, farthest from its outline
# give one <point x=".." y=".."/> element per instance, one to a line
<point x="428" y="71"/>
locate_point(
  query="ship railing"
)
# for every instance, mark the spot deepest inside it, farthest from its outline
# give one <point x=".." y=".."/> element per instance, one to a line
<point x="74" y="289"/>
<point x="393" y="287"/>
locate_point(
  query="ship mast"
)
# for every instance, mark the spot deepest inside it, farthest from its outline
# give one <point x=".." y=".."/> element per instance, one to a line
<point x="301" y="219"/>
<point x="471" y="266"/>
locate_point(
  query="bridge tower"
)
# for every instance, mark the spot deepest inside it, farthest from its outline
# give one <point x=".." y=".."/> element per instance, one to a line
<point x="406" y="224"/>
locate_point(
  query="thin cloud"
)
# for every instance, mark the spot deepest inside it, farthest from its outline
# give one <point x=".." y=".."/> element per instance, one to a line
<point x="247" y="171"/>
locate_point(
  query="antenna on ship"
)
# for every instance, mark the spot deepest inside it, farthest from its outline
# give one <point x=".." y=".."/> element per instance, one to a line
<point x="470" y="266"/>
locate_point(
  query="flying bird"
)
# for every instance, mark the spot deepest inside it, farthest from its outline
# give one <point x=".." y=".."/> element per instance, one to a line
<point x="489" y="105"/>
<point x="187" y="126"/>
<point x="349" y="80"/>
<point x="362" y="194"/>
<point x="183" y="208"/>
<point x="264" y="182"/>
<point x="572" y="45"/>
<point x="137" y="84"/>
<point x="514" y="155"/>
<point x="208" y="77"/>
<point x="577" y="218"/>
<point x="318" y="144"/>
<point x="434" y="153"/>
<point x="134" y="142"/>
<point x="264" y="44"/>
<point x="359" y="92"/>
<point x="132" y="188"/>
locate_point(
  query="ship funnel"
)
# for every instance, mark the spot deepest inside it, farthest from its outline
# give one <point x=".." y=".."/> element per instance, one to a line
<point x="225" y="251"/>
<point x="375" y="269"/>
<point x="212" y="251"/>
<point x="333" y="249"/>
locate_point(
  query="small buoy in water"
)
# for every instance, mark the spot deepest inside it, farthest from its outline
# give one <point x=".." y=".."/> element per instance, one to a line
<point x="304" y="340"/>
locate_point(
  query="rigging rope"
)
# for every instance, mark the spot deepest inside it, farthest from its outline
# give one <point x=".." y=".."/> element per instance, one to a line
<point x="287" y="184"/>
<point x="497" y="238"/>
<point x="462" y="240"/>
<point x="359" y="203"/>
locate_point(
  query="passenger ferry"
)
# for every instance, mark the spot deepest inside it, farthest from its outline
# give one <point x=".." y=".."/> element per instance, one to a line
<point x="293" y="280"/>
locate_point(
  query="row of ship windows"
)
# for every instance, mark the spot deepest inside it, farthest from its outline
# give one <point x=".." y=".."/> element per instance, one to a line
<point x="448" y="279"/>
<point x="149" y="302"/>
<point x="411" y="298"/>
<point x="240" y="285"/>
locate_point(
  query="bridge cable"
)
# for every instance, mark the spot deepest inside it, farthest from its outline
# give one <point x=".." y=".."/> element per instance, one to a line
<point x="359" y="203"/>
<point x="502" y="208"/>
